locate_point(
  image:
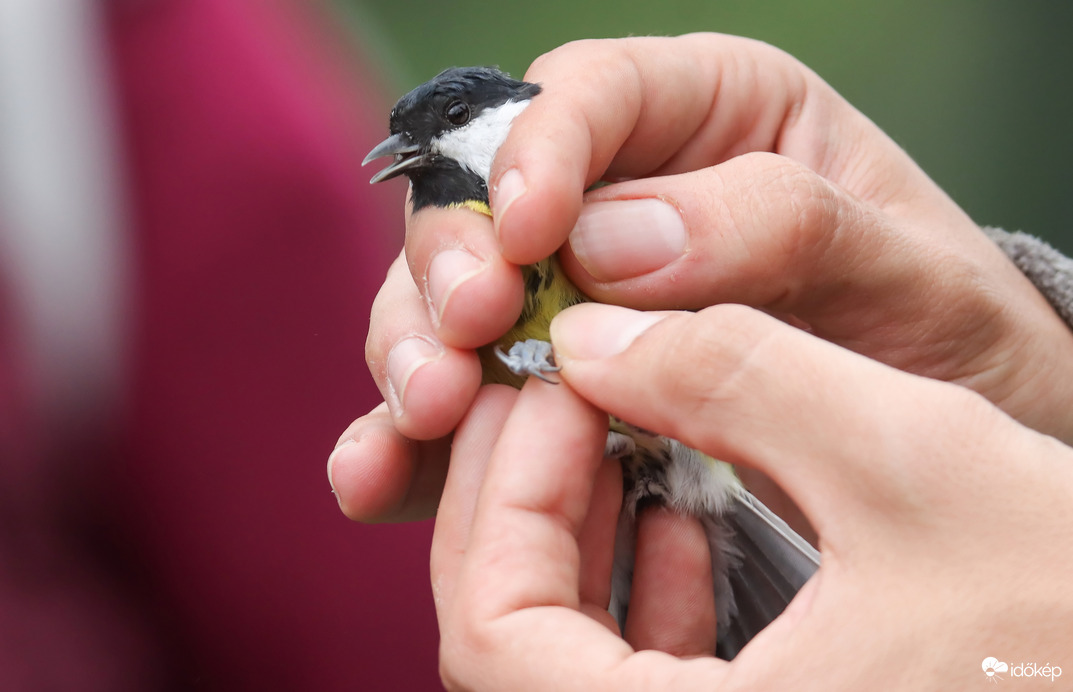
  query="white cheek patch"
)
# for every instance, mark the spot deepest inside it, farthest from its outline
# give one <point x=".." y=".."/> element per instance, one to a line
<point x="475" y="145"/>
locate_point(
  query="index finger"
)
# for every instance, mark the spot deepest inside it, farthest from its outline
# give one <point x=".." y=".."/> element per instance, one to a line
<point x="513" y="620"/>
<point x="646" y="106"/>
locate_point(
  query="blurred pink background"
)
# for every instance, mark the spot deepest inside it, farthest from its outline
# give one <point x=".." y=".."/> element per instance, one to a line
<point x="179" y="532"/>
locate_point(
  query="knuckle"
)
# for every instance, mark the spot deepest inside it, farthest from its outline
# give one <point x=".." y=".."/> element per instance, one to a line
<point x="397" y="309"/>
<point x="809" y="203"/>
<point x="580" y="65"/>
<point x="451" y="672"/>
<point x="806" y="221"/>
<point x="378" y="338"/>
<point x="464" y="648"/>
<point x="568" y="55"/>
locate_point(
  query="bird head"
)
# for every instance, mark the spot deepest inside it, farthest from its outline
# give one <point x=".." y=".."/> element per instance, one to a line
<point x="445" y="133"/>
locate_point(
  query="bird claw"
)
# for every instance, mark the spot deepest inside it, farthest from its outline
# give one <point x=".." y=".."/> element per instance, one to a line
<point x="530" y="357"/>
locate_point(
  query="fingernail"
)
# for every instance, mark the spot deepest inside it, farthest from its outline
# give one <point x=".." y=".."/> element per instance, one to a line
<point x="447" y="271"/>
<point x="594" y="330"/>
<point x="626" y="238"/>
<point x="510" y="187"/>
<point x="345" y="444"/>
<point x="405" y="358"/>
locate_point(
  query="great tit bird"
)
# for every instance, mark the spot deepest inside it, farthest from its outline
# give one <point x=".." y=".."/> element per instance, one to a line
<point x="444" y="135"/>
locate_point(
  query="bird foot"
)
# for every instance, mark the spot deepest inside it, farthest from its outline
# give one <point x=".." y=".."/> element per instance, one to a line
<point x="530" y="357"/>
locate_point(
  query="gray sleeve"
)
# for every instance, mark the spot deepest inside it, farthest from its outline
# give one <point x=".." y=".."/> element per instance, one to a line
<point x="1048" y="269"/>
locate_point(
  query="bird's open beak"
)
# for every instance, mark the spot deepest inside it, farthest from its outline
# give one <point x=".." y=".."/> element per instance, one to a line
<point x="405" y="153"/>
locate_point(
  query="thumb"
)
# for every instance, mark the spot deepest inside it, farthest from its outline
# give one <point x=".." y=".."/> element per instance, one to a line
<point x="827" y="425"/>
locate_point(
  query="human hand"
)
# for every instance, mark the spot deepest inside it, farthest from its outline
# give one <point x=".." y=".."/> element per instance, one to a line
<point x="767" y="188"/>
<point x="933" y="507"/>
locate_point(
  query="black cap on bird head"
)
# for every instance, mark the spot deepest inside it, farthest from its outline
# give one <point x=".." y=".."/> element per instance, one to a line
<point x="445" y="133"/>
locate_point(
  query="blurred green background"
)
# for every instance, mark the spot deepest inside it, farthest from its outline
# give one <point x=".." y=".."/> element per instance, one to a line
<point x="979" y="92"/>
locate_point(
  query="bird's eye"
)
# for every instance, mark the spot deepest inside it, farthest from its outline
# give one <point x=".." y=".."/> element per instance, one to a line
<point x="457" y="113"/>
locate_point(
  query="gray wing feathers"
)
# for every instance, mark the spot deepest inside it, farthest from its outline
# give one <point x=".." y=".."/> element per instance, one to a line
<point x="775" y="563"/>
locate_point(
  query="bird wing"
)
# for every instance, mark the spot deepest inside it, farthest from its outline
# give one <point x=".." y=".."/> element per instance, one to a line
<point x="775" y="563"/>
